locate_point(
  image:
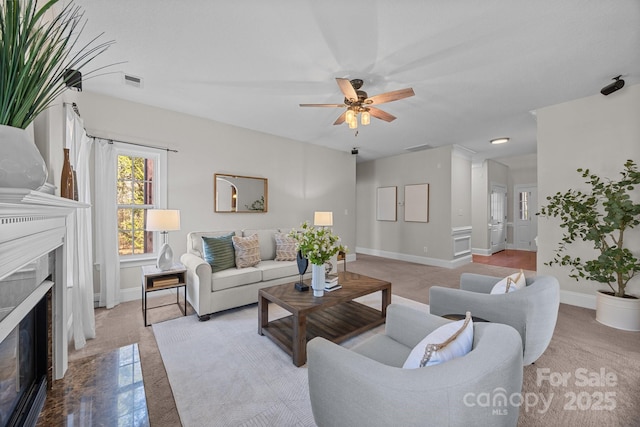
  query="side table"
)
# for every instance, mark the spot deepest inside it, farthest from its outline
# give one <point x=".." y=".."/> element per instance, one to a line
<point x="154" y="279"/>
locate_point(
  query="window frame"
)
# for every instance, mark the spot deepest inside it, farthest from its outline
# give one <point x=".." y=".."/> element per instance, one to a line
<point x="159" y="185"/>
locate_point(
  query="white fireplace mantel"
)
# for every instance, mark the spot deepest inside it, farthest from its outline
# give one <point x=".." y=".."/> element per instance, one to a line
<point x="33" y="224"/>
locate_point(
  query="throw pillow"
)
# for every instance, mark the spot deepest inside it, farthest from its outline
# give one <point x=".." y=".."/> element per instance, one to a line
<point x="449" y="341"/>
<point x="218" y="252"/>
<point x="511" y="283"/>
<point x="247" y="250"/>
<point x="285" y="247"/>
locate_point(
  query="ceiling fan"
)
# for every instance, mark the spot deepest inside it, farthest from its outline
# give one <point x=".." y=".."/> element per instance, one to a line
<point x="357" y="102"/>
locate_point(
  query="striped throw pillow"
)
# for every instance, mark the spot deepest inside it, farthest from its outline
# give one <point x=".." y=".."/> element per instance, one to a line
<point x="247" y="250"/>
<point x="218" y="252"/>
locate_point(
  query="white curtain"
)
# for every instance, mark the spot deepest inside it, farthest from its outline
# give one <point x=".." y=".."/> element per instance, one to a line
<point x="80" y="246"/>
<point x="107" y="256"/>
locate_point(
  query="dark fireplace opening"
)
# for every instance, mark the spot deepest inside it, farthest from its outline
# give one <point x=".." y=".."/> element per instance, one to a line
<point x="24" y="357"/>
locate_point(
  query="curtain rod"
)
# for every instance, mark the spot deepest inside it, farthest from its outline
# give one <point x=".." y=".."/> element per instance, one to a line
<point x="74" y="106"/>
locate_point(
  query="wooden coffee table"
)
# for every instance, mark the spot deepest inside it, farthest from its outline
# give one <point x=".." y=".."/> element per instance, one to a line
<point x="334" y="316"/>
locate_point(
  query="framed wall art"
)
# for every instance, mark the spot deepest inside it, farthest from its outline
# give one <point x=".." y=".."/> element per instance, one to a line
<point x="386" y="202"/>
<point x="416" y="203"/>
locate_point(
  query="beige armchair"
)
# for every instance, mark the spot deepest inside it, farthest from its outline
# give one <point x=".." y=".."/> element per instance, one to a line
<point x="366" y="386"/>
<point x="532" y="311"/>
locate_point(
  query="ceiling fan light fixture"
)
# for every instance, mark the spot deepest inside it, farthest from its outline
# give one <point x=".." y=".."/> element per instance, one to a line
<point x="365" y="118"/>
<point x="500" y="140"/>
<point x="350" y="116"/>
<point x="353" y="124"/>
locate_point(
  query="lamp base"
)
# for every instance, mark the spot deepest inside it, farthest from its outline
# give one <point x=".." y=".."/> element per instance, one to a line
<point x="302" y="287"/>
<point x="165" y="258"/>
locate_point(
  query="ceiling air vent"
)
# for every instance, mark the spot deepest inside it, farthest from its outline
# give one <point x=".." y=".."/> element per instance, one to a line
<point x="133" y="80"/>
<point x="419" y="147"/>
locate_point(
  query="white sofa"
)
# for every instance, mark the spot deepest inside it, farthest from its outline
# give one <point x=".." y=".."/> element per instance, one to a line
<point x="209" y="292"/>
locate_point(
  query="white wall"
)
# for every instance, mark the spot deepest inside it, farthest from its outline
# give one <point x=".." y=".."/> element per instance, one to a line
<point x="302" y="178"/>
<point x="406" y="240"/>
<point x="600" y="133"/>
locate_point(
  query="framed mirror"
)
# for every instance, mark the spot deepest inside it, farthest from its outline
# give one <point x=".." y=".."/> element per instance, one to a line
<point x="236" y="193"/>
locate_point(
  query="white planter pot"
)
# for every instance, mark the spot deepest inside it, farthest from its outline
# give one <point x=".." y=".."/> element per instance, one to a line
<point x="619" y="313"/>
<point x="317" y="279"/>
<point x="21" y="165"/>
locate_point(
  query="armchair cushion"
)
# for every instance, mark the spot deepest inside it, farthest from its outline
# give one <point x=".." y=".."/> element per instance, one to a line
<point x="218" y="252"/>
<point x="511" y="283"/>
<point x="445" y="343"/>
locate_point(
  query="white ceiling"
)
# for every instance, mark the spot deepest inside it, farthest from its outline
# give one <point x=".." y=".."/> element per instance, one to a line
<point x="478" y="68"/>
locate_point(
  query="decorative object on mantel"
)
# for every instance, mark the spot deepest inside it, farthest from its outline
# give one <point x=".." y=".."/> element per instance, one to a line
<point x="601" y="215"/>
<point x="21" y="164"/>
<point x="318" y="245"/>
<point x="67" y="181"/>
<point x="163" y="220"/>
<point x="38" y="49"/>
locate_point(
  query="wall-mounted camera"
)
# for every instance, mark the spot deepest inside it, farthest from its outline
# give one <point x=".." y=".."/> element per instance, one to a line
<point x="616" y="85"/>
<point x="354" y="150"/>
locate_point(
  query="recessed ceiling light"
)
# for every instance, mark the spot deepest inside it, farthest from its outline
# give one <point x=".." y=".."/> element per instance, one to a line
<point x="499" y="140"/>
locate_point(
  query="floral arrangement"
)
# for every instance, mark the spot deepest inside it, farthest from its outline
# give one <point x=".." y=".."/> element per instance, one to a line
<point x="318" y="245"/>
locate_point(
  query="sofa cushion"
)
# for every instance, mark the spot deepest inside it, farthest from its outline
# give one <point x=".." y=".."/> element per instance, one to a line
<point x="511" y="283"/>
<point x="267" y="241"/>
<point x="285" y="247"/>
<point x="272" y="269"/>
<point x="449" y="341"/>
<point x="247" y="250"/>
<point x="194" y="240"/>
<point x="218" y="252"/>
<point x="233" y="277"/>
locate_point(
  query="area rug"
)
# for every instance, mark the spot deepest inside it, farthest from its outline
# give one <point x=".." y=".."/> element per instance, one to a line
<point x="223" y="373"/>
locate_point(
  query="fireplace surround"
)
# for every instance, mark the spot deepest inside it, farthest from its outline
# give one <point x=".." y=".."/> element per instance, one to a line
<point x="34" y="297"/>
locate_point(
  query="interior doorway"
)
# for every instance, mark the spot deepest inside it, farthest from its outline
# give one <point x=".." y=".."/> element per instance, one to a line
<point x="525" y="219"/>
<point x="498" y="218"/>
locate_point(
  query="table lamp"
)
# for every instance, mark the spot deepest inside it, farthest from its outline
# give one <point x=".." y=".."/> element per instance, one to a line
<point x="163" y="220"/>
<point x="323" y="219"/>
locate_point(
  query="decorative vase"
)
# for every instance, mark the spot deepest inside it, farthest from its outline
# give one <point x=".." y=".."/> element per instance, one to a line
<point x="21" y="165"/>
<point x="66" y="180"/>
<point x="619" y="313"/>
<point x="317" y="279"/>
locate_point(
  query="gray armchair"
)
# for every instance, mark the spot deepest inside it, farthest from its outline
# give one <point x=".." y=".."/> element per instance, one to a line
<point x="366" y="385"/>
<point x="532" y="311"/>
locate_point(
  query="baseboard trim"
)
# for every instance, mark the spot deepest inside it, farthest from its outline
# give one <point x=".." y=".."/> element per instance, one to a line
<point x="133" y="294"/>
<point x="479" y="251"/>
<point x="578" y="299"/>
<point x="416" y="259"/>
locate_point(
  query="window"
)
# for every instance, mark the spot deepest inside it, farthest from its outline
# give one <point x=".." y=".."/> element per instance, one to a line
<point x="523" y="203"/>
<point x="141" y="185"/>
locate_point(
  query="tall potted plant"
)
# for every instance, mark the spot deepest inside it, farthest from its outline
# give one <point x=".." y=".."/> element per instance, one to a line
<point x="37" y="48"/>
<point x="602" y="216"/>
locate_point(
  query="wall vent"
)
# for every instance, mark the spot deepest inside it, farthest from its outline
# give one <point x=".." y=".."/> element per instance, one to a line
<point x="133" y="80"/>
<point x="419" y="147"/>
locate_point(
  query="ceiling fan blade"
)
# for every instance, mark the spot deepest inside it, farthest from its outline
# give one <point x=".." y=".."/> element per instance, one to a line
<point x="340" y="120"/>
<point x="389" y="96"/>
<point x="382" y="115"/>
<point x="348" y="90"/>
<point x="323" y="105"/>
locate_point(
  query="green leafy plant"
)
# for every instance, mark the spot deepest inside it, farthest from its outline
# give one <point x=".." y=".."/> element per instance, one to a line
<point x="35" y="52"/>
<point x="600" y="216"/>
<point x="318" y="245"/>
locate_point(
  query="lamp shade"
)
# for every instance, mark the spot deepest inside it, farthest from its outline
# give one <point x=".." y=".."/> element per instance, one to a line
<point x="323" y="219"/>
<point x="163" y="220"/>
